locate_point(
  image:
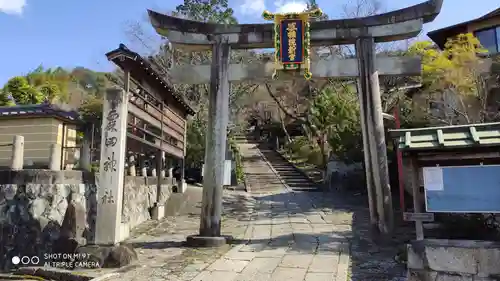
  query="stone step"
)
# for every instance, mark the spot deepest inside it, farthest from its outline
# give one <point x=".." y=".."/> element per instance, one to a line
<point x="260" y="177"/>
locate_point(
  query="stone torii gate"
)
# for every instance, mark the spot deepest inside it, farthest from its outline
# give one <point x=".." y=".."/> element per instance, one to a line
<point x="362" y="32"/>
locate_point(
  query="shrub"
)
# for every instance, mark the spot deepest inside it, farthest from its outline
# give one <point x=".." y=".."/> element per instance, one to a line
<point x="297" y="144"/>
<point x="315" y="157"/>
<point x="304" y="151"/>
<point x="240" y="175"/>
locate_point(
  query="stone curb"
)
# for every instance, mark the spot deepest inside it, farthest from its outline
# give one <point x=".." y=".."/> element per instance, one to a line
<point x="59" y="275"/>
<point x="52" y="274"/>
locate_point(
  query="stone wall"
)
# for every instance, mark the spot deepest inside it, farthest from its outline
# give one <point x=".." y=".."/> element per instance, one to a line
<point x="339" y="174"/>
<point x="450" y="260"/>
<point x="39" y="207"/>
<point x="140" y="196"/>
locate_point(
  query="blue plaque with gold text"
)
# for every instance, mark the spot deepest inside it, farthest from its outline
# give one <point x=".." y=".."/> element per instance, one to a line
<point x="292" y="41"/>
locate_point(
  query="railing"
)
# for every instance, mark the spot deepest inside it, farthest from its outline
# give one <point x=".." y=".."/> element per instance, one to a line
<point x="60" y="158"/>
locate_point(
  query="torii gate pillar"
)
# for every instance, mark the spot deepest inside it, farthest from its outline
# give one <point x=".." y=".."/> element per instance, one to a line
<point x="215" y="149"/>
<point x="375" y="149"/>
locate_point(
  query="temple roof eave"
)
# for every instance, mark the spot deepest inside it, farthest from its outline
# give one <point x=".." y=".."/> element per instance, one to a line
<point x="122" y="55"/>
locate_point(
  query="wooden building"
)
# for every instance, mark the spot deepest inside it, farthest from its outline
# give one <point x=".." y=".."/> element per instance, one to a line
<point x="41" y="125"/>
<point x="157" y="116"/>
<point x="485" y="28"/>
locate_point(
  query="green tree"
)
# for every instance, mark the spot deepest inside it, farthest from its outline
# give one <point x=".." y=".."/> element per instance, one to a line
<point x="21" y="91"/>
<point x="38" y="86"/>
<point x="216" y="11"/>
<point x="52" y="83"/>
<point x="453" y="79"/>
<point x="334" y="119"/>
<point x="195" y="136"/>
<point x="6" y="99"/>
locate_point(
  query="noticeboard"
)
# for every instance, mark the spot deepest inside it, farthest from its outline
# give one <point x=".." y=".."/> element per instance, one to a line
<point x="462" y="189"/>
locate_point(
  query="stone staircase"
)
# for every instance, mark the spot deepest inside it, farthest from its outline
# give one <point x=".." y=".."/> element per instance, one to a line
<point x="291" y="176"/>
<point x="266" y="170"/>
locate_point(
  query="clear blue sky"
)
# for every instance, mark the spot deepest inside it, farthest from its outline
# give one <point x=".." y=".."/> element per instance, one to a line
<point x="71" y="33"/>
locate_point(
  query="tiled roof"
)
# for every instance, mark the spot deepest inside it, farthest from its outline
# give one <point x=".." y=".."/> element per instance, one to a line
<point x="440" y="36"/>
<point x="144" y="68"/>
<point x="462" y="136"/>
<point x="491" y="14"/>
<point x="44" y="109"/>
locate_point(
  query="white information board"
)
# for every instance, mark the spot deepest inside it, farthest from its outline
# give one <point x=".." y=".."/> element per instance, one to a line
<point x="227" y="172"/>
<point x="433" y="178"/>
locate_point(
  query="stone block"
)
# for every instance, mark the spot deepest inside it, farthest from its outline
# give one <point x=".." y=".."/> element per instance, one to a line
<point x="158" y="212"/>
<point x="296" y="261"/>
<point x="319" y="277"/>
<point x="453" y="277"/>
<point x="289" y="274"/>
<point x="415" y="258"/>
<point x="224" y="264"/>
<point x="9" y="191"/>
<point x="488" y="262"/>
<point x="124" y="231"/>
<point x="324" y="264"/>
<point x="263" y="265"/>
<point x="74" y="222"/>
<point x="109" y="256"/>
<point x="120" y="256"/>
<point x="216" y="276"/>
<point x="182" y="187"/>
<point x="452" y="259"/>
<point x="421" y="275"/>
<point x="459" y="260"/>
<point x="253" y="276"/>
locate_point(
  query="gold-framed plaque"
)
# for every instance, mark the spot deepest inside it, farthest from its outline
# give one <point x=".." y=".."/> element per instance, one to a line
<point x="292" y="41"/>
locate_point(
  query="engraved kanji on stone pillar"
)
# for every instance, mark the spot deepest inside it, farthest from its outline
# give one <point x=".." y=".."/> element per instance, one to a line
<point x="112" y="165"/>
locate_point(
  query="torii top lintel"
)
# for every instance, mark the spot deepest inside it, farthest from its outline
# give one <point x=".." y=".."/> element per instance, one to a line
<point x="395" y="25"/>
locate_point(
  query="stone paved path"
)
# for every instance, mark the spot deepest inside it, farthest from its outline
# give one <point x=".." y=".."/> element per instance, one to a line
<point x="279" y="234"/>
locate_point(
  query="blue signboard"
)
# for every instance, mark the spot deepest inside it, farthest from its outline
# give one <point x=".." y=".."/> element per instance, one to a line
<point x="462" y="189"/>
<point x="292" y="41"/>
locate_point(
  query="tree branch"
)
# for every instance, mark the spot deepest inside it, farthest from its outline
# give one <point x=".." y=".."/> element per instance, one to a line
<point x="285" y="111"/>
<point x="463" y="114"/>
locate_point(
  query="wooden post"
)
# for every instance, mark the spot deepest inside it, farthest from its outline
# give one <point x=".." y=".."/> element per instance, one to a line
<point x="55" y="157"/>
<point x="159" y="170"/>
<point x="370" y="186"/>
<point x="415" y="187"/>
<point x="370" y="89"/>
<point x="213" y="178"/>
<point x="84" y="161"/>
<point x="159" y="158"/>
<point x="170" y="172"/>
<point x="111" y="168"/>
<point x="17" y="160"/>
<point x="153" y="170"/>
<point x="131" y="165"/>
<point x="182" y="184"/>
<point x="142" y="163"/>
<point x="158" y="211"/>
<point x="163" y="163"/>
<point x="399" y="156"/>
